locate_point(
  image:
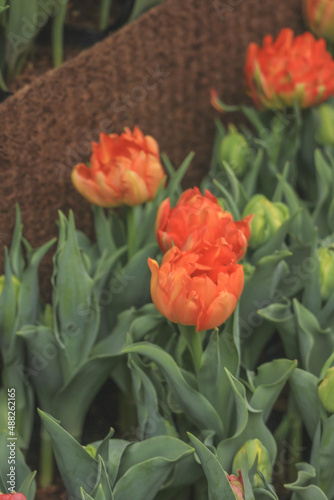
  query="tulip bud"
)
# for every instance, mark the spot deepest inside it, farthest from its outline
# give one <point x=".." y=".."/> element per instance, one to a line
<point x="235" y="151"/>
<point x="254" y="448"/>
<point x="249" y="270"/>
<point x="319" y="16"/>
<point x="91" y="449"/>
<point x="326" y="391"/>
<point x="326" y="271"/>
<point x="16" y="284"/>
<point x="325" y="132"/>
<point x="237" y="485"/>
<point x="267" y="219"/>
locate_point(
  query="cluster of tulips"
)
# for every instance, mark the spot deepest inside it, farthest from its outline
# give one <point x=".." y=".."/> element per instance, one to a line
<point x="241" y="275"/>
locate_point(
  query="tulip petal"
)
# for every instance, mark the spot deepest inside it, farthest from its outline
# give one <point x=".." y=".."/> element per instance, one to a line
<point x="134" y="189"/>
<point x="87" y="187"/>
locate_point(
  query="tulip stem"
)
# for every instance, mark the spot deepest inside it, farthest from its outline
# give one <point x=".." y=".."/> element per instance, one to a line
<point x="46" y="466"/>
<point x="131" y="231"/>
<point x="194" y="343"/>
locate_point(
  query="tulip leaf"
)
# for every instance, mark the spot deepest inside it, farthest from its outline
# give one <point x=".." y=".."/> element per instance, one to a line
<point x="218" y="483"/>
<point x="303" y="488"/>
<point x="229" y="201"/>
<point x="15" y="253"/>
<point x="324" y="177"/>
<point x="43" y="368"/>
<point x="250" y="179"/>
<point x="131" y="286"/>
<point x="77" y="467"/>
<point x="115" y="456"/>
<point x="248" y="425"/>
<point x="141" y="6"/>
<point x="167" y="447"/>
<point x="302" y="226"/>
<point x="269" y="381"/>
<point x="253" y="333"/>
<point x="151" y="422"/>
<point x="102" y="490"/>
<point x="72" y="299"/>
<point x="275" y="242"/>
<point x="8" y="313"/>
<point x="174" y="188"/>
<point x="314" y="342"/>
<point x="195" y="406"/>
<point x="28" y="299"/>
<point x="326" y="457"/>
<point x="282" y="317"/>
<point x="85" y="495"/>
<point x="144" y="480"/>
<point x="24" y="478"/>
<point x="103" y="231"/>
<point x="304" y="387"/>
<point x="72" y="401"/>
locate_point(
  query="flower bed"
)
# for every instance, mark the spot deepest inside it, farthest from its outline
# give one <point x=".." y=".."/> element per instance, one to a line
<point x="210" y="308"/>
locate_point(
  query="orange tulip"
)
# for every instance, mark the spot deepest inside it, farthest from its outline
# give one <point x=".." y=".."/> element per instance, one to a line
<point x="197" y="222"/>
<point x="319" y="16"/>
<point x="197" y="289"/>
<point x="290" y="69"/>
<point x="125" y="170"/>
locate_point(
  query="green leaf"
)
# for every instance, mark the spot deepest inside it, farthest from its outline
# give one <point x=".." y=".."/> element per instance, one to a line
<point x="304" y="387"/>
<point x="131" y="286"/>
<point x="174" y="188"/>
<point x="73" y="400"/>
<point x="72" y="299"/>
<point x="24" y="478"/>
<point x="275" y="242"/>
<point x="195" y="406"/>
<point x="326" y="457"/>
<point x="303" y="488"/>
<point x="269" y="381"/>
<point x="115" y="456"/>
<point x="43" y="369"/>
<point x="218" y="484"/>
<point x="282" y="317"/>
<point x="103" y="231"/>
<point x="253" y="333"/>
<point x="314" y="342"/>
<point x="167" y="447"/>
<point x="141" y="6"/>
<point x="151" y="422"/>
<point x="29" y="298"/>
<point x="76" y="466"/>
<point x="15" y="253"/>
<point x="144" y="480"/>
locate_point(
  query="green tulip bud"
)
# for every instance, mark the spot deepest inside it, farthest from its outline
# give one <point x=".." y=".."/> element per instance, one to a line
<point x="254" y="448"/>
<point x="325" y="132"/>
<point x="235" y="151"/>
<point x="16" y="284"/>
<point x="90" y="449"/>
<point x="267" y="219"/>
<point x="249" y="270"/>
<point x="326" y="391"/>
<point x="326" y="271"/>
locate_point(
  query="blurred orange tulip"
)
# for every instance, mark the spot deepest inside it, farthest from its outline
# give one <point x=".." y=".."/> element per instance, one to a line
<point x="197" y="289"/>
<point x="199" y="221"/>
<point x="319" y="17"/>
<point x="125" y="170"/>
